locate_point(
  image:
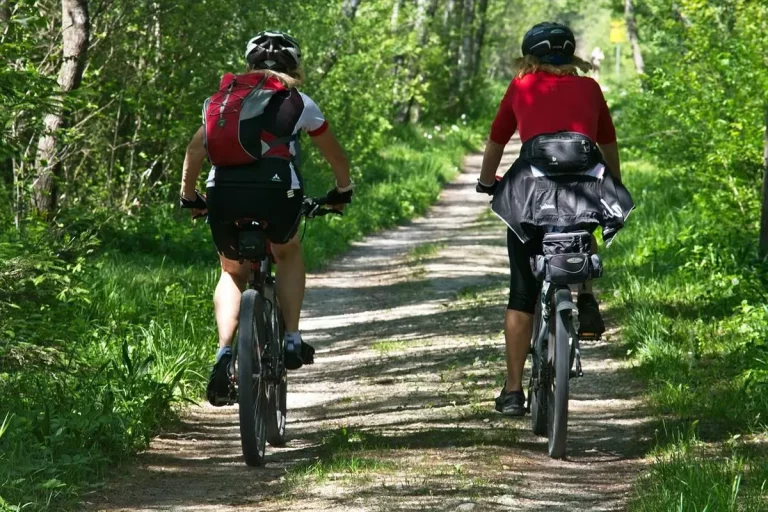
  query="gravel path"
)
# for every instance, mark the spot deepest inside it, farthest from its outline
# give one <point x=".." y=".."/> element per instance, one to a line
<point x="396" y="414"/>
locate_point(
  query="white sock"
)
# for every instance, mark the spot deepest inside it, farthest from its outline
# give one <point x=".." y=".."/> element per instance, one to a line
<point x="223" y="350"/>
<point x="293" y="340"/>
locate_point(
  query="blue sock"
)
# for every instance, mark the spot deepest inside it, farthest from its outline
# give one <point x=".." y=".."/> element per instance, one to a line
<point x="222" y="351"/>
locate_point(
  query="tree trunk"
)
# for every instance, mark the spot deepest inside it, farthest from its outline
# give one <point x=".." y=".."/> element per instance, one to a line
<point x="448" y="15"/>
<point x="764" y="216"/>
<point x="425" y="11"/>
<point x="349" y="9"/>
<point x="397" y="61"/>
<point x="5" y="12"/>
<point x="5" y="18"/>
<point x="394" y="21"/>
<point x="680" y="16"/>
<point x="466" y="50"/>
<point x="75" y="37"/>
<point x="482" y="12"/>
<point x="637" y="55"/>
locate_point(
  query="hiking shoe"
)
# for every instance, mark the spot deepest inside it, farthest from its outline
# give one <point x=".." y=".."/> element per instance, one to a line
<point x="511" y="403"/>
<point x="219" y="392"/>
<point x="296" y="357"/>
<point x="591" y="324"/>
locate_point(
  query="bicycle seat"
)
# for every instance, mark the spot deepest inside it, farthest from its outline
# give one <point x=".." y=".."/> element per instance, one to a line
<point x="245" y="224"/>
<point x="252" y="239"/>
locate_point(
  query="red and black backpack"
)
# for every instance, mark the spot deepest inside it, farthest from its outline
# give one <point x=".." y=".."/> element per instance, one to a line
<point x="234" y="123"/>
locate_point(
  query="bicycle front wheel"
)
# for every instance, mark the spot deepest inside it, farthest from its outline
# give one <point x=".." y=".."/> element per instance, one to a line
<point x="557" y="399"/>
<point x="252" y="392"/>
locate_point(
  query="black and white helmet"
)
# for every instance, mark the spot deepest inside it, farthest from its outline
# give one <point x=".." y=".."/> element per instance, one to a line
<point x="273" y="50"/>
<point x="552" y="43"/>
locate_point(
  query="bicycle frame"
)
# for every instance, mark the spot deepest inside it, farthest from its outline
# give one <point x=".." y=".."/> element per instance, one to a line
<point x="260" y="276"/>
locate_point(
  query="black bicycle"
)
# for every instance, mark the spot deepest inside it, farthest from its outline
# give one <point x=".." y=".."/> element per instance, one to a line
<point x="567" y="260"/>
<point x="258" y="376"/>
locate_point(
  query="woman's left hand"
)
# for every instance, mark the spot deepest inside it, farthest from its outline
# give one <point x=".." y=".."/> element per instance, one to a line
<point x="480" y="188"/>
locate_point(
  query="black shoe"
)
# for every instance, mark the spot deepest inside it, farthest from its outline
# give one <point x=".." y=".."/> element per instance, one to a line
<point x="512" y="403"/>
<point x="219" y="392"/>
<point x="295" y="359"/>
<point x="591" y="324"/>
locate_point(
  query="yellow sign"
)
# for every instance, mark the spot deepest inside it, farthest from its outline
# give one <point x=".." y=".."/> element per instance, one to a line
<point x="618" y="32"/>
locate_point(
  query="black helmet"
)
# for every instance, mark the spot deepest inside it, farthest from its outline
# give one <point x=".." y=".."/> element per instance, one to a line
<point x="552" y="43"/>
<point x="273" y="50"/>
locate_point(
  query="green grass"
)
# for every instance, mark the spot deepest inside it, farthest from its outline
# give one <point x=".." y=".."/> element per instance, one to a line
<point x="343" y="453"/>
<point x="388" y="346"/>
<point x="686" y="286"/>
<point x="107" y="326"/>
<point x="423" y="252"/>
<point x="688" y="478"/>
<point x="480" y="295"/>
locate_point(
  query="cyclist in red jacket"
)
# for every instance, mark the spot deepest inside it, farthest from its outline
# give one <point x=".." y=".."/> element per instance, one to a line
<point x="546" y="97"/>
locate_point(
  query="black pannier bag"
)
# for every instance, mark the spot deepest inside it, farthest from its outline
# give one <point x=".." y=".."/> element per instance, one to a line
<point x="566" y="259"/>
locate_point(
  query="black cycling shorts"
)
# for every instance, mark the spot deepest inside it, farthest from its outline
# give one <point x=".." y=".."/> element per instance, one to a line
<point x="228" y="203"/>
<point x="523" y="286"/>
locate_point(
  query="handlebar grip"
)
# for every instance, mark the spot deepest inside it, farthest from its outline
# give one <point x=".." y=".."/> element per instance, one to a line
<point x="328" y="211"/>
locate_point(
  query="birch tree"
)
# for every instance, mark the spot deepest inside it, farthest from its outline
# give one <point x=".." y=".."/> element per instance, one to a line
<point x="75" y="31"/>
<point x="634" y="40"/>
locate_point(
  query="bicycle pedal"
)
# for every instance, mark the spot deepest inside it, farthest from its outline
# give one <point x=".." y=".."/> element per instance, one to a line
<point x="589" y="336"/>
<point x="576" y="374"/>
<point x="225" y="401"/>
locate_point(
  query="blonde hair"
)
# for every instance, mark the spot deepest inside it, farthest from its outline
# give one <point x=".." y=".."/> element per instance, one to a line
<point x="291" y="80"/>
<point x="530" y="64"/>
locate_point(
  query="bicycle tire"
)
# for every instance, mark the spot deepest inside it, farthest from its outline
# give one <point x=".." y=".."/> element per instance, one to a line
<point x="277" y="392"/>
<point x="251" y="386"/>
<point x="538" y="397"/>
<point x="557" y="401"/>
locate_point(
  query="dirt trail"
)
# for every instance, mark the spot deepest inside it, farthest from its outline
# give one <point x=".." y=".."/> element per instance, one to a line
<point x="397" y="412"/>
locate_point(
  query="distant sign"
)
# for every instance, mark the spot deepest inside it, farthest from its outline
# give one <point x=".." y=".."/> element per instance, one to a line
<point x="618" y="32"/>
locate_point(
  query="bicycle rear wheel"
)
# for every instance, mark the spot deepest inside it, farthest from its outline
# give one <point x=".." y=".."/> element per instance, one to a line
<point x="557" y="399"/>
<point x="252" y="391"/>
<point x="537" y="392"/>
<point x="277" y="391"/>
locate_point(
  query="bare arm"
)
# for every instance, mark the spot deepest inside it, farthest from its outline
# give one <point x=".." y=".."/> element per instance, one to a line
<point x="611" y="155"/>
<point x="331" y="150"/>
<point x="491" y="160"/>
<point x="193" y="164"/>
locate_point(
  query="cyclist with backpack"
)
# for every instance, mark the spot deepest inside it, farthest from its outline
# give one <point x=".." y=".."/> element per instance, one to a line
<point x="566" y="130"/>
<point x="250" y="134"/>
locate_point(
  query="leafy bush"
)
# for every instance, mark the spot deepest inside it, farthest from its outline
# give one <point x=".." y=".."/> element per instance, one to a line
<point x="687" y="282"/>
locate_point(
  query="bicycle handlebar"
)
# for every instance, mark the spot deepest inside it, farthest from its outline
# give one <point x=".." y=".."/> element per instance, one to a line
<point x="313" y="207"/>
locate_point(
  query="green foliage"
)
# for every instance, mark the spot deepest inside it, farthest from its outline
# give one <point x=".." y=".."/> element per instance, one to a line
<point x="686" y="476"/>
<point x="691" y="279"/>
<point x="688" y="284"/>
<point x="687" y="483"/>
<point x="688" y="290"/>
<point x="707" y="89"/>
